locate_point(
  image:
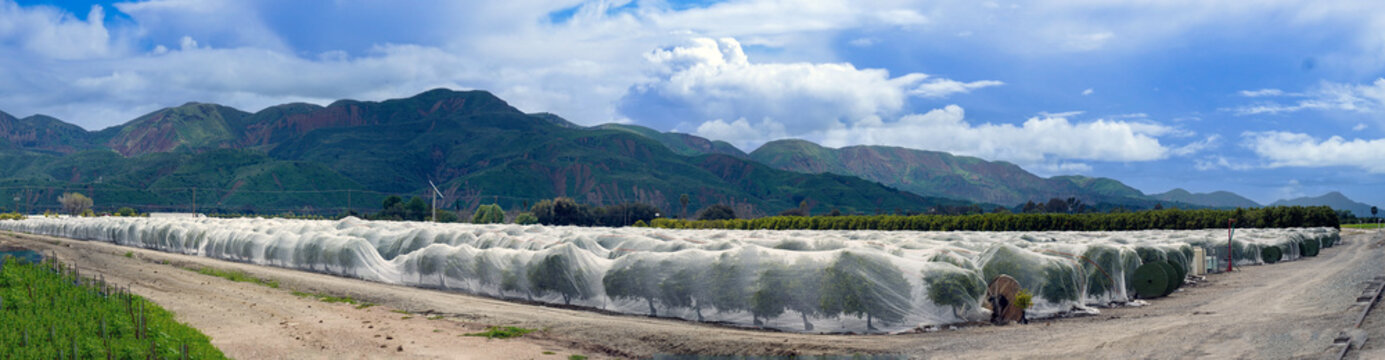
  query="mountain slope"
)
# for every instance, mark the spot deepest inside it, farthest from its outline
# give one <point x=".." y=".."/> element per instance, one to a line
<point x="42" y="133"/>
<point x="1216" y="199"/>
<point x="191" y="126"/>
<point x="503" y="155"/>
<point x="681" y="144"/>
<point x="475" y="146"/>
<point x="1332" y="199"/>
<point x="932" y="173"/>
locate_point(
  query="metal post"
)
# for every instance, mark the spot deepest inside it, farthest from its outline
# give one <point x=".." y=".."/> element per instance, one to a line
<point x="1230" y="229"/>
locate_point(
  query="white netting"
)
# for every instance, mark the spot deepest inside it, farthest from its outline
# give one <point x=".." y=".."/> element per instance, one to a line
<point x="822" y="281"/>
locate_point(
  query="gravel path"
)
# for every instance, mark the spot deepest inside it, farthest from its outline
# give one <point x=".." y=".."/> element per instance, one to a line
<point x="1288" y="310"/>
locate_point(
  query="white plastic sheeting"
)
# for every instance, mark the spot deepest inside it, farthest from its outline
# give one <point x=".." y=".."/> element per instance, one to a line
<point x="819" y="281"/>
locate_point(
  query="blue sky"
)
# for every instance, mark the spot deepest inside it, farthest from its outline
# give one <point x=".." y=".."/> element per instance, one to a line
<point x="1270" y="99"/>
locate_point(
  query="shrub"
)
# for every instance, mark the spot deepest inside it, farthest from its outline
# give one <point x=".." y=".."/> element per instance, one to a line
<point x="488" y="214"/>
<point x="526" y="218"/>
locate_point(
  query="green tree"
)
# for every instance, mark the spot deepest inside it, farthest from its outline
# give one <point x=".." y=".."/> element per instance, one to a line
<point x="526" y="218"/>
<point x="771" y="296"/>
<point x="556" y="273"/>
<point x="730" y="288"/>
<point x="685" y="288"/>
<point x="716" y="212"/>
<point x="862" y="285"/>
<point x="683" y="200"/>
<point x="957" y="288"/>
<point x="637" y="280"/>
<point x="488" y="214"/>
<point x="392" y="208"/>
<point x="126" y="211"/>
<point x="74" y="203"/>
<point x="804" y="289"/>
<point x="416" y="209"/>
<point x="562" y="211"/>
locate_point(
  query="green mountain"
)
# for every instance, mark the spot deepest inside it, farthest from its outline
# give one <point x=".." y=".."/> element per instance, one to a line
<point x="42" y="133"/>
<point x="932" y="173"/>
<point x="1217" y="199"/>
<point x="1333" y="199"/>
<point x="191" y="126"/>
<point x="478" y="149"/>
<point x="681" y="144"/>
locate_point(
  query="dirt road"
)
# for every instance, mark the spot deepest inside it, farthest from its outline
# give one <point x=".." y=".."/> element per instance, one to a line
<point x="1287" y="310"/>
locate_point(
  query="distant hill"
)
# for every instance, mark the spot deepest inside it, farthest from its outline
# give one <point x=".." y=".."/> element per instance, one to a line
<point x="475" y="146"/>
<point x="682" y="144"/>
<point x="1332" y="199"/>
<point x="1216" y="199"/>
<point x="933" y="173"/>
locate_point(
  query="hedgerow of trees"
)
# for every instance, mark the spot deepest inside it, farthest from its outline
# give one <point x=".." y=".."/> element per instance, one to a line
<point x="1170" y="219"/>
<point x="565" y="211"/>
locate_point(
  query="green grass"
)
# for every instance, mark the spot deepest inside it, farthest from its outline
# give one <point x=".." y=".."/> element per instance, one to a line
<point x="129" y="254"/>
<point x="47" y="313"/>
<point x="576" y="357"/>
<point x="405" y="312"/>
<point x="238" y="276"/>
<point x="435" y="317"/>
<point x="335" y="299"/>
<point x="1363" y="226"/>
<point x="502" y="332"/>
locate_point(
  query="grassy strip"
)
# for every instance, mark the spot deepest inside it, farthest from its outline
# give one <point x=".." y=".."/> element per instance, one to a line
<point x="48" y="311"/>
<point x="1364" y="226"/>
<point x="334" y="299"/>
<point x="502" y="332"/>
<point x="238" y="276"/>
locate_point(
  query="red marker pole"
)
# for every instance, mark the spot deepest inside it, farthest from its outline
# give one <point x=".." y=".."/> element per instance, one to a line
<point x="1230" y="229"/>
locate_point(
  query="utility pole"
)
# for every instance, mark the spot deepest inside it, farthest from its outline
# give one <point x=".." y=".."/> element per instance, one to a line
<point x="436" y="194"/>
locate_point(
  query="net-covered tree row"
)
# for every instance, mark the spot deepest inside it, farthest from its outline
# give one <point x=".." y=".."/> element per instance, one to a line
<point x="1167" y="219"/>
<point x="49" y="311"/>
<point x="816" y="281"/>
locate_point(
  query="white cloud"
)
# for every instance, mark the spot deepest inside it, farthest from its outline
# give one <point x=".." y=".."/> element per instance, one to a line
<point x="1291" y="190"/>
<point x="1037" y="142"/>
<point x="1197" y="146"/>
<point x="863" y="42"/>
<point x="1328" y="96"/>
<point x="50" y="33"/>
<point x="1221" y="162"/>
<point x="245" y="53"/>
<point x="1262" y="92"/>
<point x="741" y="132"/>
<point x="1087" y="92"/>
<point x="714" y="79"/>
<point x="1065" y="114"/>
<point x="1359" y="127"/>
<point x="940" y="88"/>
<point x="1286" y="149"/>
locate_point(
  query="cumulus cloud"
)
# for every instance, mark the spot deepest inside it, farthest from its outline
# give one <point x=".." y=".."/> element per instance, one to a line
<point x="244" y="53"/>
<point x="741" y="132"/>
<point x="51" y="33"/>
<point x="1037" y="141"/>
<point x="1287" y="149"/>
<point x="714" y="79"/>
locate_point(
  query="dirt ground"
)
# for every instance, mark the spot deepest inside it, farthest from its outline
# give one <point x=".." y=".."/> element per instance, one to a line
<point x="1288" y="310"/>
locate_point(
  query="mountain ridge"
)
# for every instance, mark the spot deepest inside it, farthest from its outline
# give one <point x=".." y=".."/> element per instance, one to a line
<point x="1333" y="199"/>
<point x="473" y="144"/>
